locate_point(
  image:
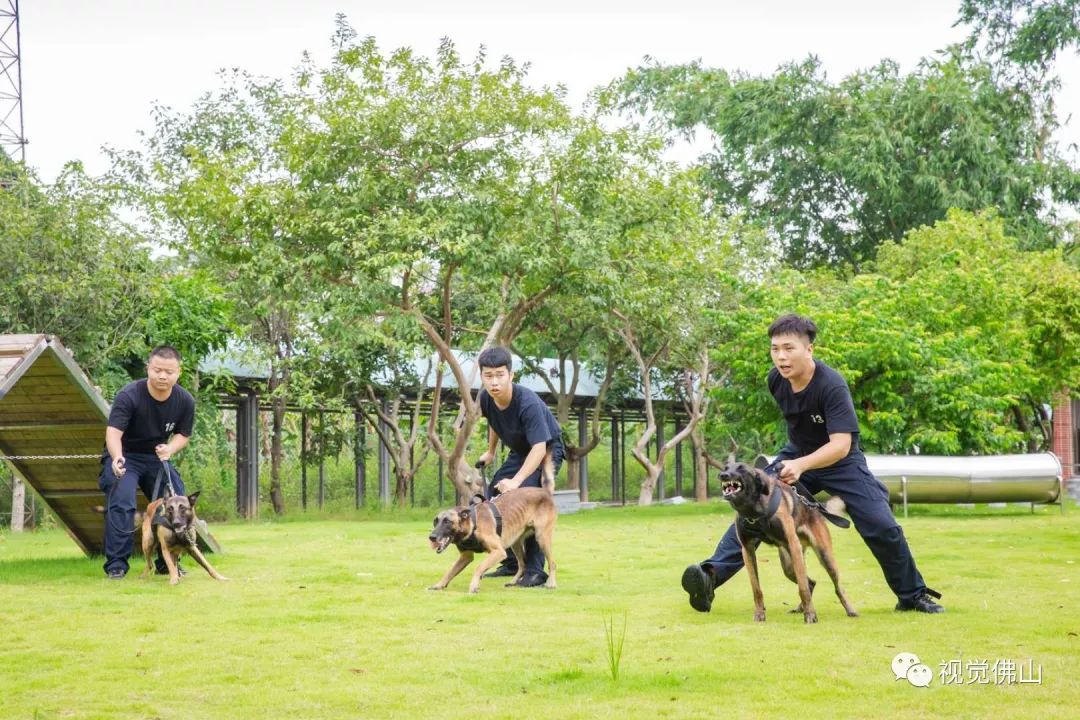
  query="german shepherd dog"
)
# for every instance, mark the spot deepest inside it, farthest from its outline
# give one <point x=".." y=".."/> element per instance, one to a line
<point x="771" y="512"/>
<point x="169" y="523"/>
<point x="494" y="525"/>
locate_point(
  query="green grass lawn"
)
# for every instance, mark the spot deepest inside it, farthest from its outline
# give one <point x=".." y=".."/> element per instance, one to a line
<point x="331" y="619"/>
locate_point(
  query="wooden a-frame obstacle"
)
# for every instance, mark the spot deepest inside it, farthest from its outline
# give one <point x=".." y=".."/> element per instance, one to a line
<point x="52" y="423"/>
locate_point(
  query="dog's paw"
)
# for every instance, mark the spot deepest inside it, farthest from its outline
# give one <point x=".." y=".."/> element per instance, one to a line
<point x="174" y="581"/>
<point x="436" y="587"/>
<point x="222" y="578"/>
<point x="852" y="613"/>
<point x="810" y="618"/>
<point x="759" y="617"/>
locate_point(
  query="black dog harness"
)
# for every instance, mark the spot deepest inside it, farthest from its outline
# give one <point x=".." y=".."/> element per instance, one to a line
<point x="471" y="543"/>
<point x="756" y="525"/>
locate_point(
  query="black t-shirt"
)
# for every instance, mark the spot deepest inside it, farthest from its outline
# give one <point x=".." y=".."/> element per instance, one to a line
<point x="822" y="407"/>
<point x="525" y="422"/>
<point x="147" y="423"/>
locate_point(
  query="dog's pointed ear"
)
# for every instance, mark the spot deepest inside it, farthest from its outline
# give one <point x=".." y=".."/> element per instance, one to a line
<point x="761" y="462"/>
<point x="763" y="480"/>
<point x="193" y="497"/>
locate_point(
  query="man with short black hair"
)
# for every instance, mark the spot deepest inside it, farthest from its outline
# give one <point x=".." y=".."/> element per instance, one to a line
<point x="151" y="420"/>
<point x="822" y="454"/>
<point x="517" y="416"/>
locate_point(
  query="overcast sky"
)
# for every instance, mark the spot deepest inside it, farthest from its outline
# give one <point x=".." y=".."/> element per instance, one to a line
<point x="92" y="68"/>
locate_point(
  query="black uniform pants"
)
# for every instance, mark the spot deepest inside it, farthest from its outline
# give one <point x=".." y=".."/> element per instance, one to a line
<point x="142" y="471"/>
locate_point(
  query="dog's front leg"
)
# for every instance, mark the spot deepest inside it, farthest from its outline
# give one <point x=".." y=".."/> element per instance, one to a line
<point x="495" y="556"/>
<point x="750" y="561"/>
<point x="170" y="559"/>
<point x="798" y="563"/>
<point x="196" y="553"/>
<point x="463" y="559"/>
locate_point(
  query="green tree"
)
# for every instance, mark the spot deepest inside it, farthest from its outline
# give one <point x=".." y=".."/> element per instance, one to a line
<point x="455" y="193"/>
<point x="668" y="258"/>
<point x="835" y="169"/>
<point x="72" y="268"/>
<point x="216" y="180"/>
<point x="1026" y="34"/>
<point x="950" y="344"/>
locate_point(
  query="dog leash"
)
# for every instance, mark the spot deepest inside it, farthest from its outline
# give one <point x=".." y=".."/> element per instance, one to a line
<point x="803" y="495"/>
<point x="470" y="543"/>
<point x="485" y="487"/>
<point x="163" y="472"/>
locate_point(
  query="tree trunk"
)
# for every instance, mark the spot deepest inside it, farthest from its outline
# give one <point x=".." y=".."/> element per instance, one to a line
<point x="652" y="475"/>
<point x="573" y="469"/>
<point x="701" y="467"/>
<point x="1025" y="427"/>
<point x="18" y="503"/>
<point x="402" y="477"/>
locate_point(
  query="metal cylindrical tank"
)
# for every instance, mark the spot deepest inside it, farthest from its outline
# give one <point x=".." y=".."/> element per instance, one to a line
<point x="1034" y="477"/>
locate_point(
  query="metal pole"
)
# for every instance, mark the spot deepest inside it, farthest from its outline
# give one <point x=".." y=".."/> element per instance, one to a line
<point x="322" y="459"/>
<point x="412" y="460"/>
<point x="241" y="454"/>
<point x="622" y="458"/>
<point x="583" y="463"/>
<point x="660" y="479"/>
<point x="360" y="459"/>
<point x="678" y="460"/>
<point x="303" y="459"/>
<point x="903" y="491"/>
<point x="384" y="465"/>
<point x="438" y="430"/>
<point x="253" y="484"/>
<point x="614" y="458"/>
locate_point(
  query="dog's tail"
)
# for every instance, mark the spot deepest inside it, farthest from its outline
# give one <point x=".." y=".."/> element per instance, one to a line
<point x="832" y="509"/>
<point x="547" y="473"/>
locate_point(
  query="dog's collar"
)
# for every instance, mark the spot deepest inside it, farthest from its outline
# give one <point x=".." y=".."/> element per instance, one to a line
<point x="471" y="543"/>
<point x="774" y="504"/>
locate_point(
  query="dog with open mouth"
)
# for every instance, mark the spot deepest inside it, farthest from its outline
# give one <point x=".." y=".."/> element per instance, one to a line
<point x="493" y="526"/>
<point x="774" y="513"/>
<point x="169" y="524"/>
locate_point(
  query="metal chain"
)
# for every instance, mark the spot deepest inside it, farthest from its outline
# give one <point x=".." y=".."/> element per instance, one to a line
<point x="50" y="457"/>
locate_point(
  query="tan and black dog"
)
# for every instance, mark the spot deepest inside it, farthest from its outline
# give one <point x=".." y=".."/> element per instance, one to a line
<point x="493" y="526"/>
<point x="169" y="523"/>
<point x="771" y="512"/>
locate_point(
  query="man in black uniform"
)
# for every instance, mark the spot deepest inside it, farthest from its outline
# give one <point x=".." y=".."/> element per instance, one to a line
<point x="822" y="453"/>
<point x="517" y="416"/>
<point x="151" y="420"/>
